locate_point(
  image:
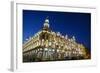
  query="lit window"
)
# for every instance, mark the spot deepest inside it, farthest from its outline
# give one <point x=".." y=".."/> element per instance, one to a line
<point x="53" y="50"/>
<point x="57" y="50"/>
<point x="46" y="49"/>
<point x="49" y="43"/>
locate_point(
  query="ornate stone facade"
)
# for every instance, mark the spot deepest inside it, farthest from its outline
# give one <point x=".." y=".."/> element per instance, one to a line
<point x="47" y="45"/>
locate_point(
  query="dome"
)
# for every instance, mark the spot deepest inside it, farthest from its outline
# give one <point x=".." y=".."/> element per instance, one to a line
<point x="47" y="21"/>
<point x="46" y="25"/>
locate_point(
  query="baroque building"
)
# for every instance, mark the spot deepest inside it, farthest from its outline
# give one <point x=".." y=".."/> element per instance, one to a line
<point x="47" y="45"/>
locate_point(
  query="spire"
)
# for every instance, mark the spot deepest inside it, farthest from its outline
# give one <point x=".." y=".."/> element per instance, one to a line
<point x="46" y="23"/>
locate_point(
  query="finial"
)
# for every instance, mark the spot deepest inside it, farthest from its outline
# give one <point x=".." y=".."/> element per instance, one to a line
<point x="47" y="20"/>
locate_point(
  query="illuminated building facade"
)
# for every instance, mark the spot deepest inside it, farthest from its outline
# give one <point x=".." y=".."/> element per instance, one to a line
<point x="47" y="45"/>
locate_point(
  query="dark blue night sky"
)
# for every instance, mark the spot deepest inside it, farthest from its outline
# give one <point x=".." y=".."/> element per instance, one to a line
<point x="70" y="23"/>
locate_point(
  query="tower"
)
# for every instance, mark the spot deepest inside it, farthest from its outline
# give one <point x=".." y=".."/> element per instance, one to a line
<point x="46" y="24"/>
